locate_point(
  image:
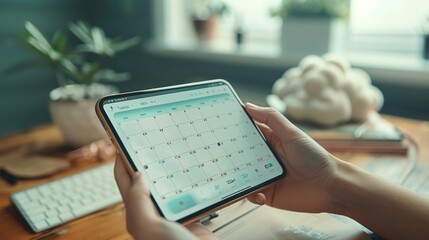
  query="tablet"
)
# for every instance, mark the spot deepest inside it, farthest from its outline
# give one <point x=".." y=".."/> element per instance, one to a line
<point x="195" y="145"/>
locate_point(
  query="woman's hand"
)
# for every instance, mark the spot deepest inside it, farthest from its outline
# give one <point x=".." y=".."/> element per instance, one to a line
<point x="310" y="180"/>
<point x="143" y="220"/>
<point x="318" y="182"/>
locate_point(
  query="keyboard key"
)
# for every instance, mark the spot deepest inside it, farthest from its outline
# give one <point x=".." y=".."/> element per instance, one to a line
<point x="40" y="225"/>
<point x="53" y="221"/>
<point x="37" y="218"/>
<point x="35" y="211"/>
<point x="66" y="216"/>
<point x="51" y="213"/>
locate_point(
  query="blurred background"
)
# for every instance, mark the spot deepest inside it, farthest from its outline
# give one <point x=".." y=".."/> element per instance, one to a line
<point x="249" y="43"/>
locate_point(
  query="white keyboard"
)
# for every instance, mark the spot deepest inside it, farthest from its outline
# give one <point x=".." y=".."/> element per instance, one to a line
<point x="54" y="203"/>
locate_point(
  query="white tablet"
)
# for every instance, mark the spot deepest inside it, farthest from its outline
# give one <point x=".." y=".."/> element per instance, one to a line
<point x="195" y="145"/>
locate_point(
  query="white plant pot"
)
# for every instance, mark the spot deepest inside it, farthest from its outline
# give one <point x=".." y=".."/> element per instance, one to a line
<point x="77" y="119"/>
<point x="317" y="36"/>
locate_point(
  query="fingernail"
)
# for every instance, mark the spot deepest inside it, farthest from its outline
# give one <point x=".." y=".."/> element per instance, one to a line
<point x="251" y="105"/>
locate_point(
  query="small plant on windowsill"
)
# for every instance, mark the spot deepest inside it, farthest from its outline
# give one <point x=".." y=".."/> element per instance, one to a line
<point x="79" y="72"/>
<point x="312" y="9"/>
<point x="205" y="17"/>
<point x="311" y="27"/>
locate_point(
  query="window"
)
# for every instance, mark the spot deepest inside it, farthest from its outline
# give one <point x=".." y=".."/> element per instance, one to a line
<point x="259" y="27"/>
<point x="374" y="25"/>
<point x="383" y="25"/>
<point x="386" y="17"/>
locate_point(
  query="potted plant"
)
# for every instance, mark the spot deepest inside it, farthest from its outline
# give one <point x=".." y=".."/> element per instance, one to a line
<point x="205" y="17"/>
<point x="79" y="72"/>
<point x="311" y="27"/>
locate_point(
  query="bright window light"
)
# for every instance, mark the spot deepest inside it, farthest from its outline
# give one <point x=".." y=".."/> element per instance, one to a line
<point x="387" y="17"/>
<point x="373" y="24"/>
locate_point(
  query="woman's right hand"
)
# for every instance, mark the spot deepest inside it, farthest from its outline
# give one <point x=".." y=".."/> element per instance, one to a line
<point x="309" y="184"/>
<point x="316" y="182"/>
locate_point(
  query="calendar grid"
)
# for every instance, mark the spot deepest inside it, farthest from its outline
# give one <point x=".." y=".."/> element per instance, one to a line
<point x="167" y="145"/>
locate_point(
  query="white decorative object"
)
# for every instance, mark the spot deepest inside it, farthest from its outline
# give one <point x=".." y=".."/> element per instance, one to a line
<point x="327" y="91"/>
<point x="77" y="119"/>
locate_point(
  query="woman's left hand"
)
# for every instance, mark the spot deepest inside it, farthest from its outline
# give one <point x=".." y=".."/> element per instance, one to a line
<point x="143" y="220"/>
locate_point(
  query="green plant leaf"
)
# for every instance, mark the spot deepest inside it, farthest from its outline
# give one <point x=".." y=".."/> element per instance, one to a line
<point x="59" y="42"/>
<point x="89" y="70"/>
<point x="25" y="36"/>
<point x="94" y="40"/>
<point x="38" y="42"/>
<point x="72" y="65"/>
<point x="40" y="47"/>
<point x="81" y="31"/>
<point x="71" y="70"/>
<point x="37" y="36"/>
<point x="312" y="8"/>
<point x="125" y="44"/>
<point x="99" y="41"/>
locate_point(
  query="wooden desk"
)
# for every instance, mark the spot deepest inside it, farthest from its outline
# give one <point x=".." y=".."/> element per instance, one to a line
<point x="110" y="223"/>
<point x="106" y="224"/>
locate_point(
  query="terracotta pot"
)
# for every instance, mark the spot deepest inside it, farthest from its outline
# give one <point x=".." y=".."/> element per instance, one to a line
<point x="206" y="28"/>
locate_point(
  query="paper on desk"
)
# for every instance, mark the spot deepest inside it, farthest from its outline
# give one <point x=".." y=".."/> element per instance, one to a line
<point x="268" y="223"/>
<point x="418" y="180"/>
<point x="415" y="178"/>
<point x="392" y="170"/>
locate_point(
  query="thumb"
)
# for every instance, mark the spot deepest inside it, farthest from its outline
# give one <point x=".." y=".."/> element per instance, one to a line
<point x="280" y="125"/>
<point x="257" y="198"/>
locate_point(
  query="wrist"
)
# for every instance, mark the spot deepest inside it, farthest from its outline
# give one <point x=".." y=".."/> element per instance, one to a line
<point x="345" y="185"/>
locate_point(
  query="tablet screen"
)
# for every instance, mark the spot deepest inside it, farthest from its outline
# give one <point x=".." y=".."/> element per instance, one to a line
<point x="195" y="146"/>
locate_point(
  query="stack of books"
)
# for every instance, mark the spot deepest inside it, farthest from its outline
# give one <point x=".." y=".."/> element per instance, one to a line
<point x="376" y="135"/>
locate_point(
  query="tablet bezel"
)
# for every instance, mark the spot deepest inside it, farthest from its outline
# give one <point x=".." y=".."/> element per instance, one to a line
<point x="114" y="137"/>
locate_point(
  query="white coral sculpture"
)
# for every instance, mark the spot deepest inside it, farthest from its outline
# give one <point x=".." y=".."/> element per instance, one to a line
<point x="327" y="91"/>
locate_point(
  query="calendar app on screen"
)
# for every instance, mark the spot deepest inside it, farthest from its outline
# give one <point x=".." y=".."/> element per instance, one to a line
<point x="196" y="146"/>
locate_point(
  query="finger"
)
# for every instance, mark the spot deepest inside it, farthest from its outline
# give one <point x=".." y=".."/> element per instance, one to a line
<point x="257" y="198"/>
<point x="134" y="192"/>
<point x="139" y="202"/>
<point x="272" y="138"/>
<point x="123" y="179"/>
<point x="274" y="120"/>
<point x="268" y="132"/>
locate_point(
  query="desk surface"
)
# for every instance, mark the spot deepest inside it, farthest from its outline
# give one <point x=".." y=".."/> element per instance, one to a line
<point x="110" y="223"/>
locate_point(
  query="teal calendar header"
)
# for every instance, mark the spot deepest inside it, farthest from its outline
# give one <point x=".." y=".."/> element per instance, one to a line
<point x="169" y="107"/>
